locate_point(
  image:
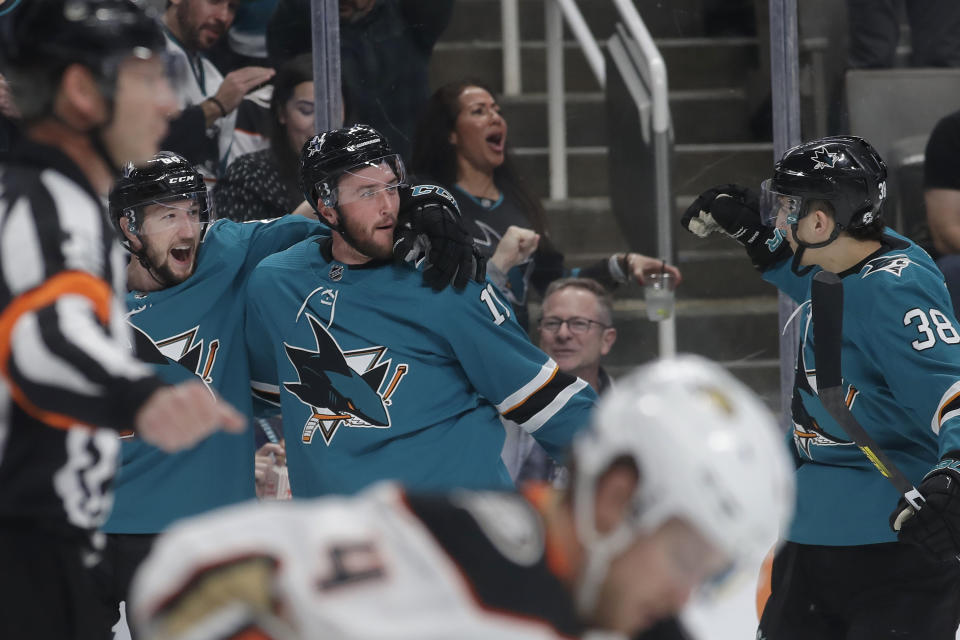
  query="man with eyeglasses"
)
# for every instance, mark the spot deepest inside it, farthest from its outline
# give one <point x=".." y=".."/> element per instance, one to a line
<point x="576" y="328"/>
<point x="378" y="376"/>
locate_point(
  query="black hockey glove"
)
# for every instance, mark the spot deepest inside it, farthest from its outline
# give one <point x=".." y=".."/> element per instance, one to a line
<point x="936" y="527"/>
<point x="735" y="211"/>
<point x="429" y="226"/>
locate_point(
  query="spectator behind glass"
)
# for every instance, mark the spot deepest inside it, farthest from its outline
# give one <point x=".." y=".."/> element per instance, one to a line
<point x="941" y="192"/>
<point x="461" y="142"/>
<point x="265" y="184"/>
<point x="246" y="41"/>
<point x="385" y="48"/>
<point x="203" y="130"/>
<point x="576" y="330"/>
<point x="874" y="27"/>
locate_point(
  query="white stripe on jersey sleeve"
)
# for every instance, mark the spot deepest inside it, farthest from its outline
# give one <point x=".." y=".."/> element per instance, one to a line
<point x="77" y="322"/>
<point x="949" y="394"/>
<point x="40" y="365"/>
<point x="541" y="417"/>
<point x="81" y="219"/>
<point x="547" y="371"/>
<point x="21" y="260"/>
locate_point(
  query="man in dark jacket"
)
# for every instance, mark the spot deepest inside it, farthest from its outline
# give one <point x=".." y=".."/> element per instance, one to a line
<point x="385" y="48"/>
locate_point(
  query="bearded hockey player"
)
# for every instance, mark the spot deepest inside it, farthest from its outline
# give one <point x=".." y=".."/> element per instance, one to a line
<point x="188" y="285"/>
<point x="842" y="573"/>
<point x="378" y="376"/>
<point x="681" y="478"/>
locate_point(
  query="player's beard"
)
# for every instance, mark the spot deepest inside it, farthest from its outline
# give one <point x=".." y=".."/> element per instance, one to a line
<point x="161" y="270"/>
<point x="366" y="246"/>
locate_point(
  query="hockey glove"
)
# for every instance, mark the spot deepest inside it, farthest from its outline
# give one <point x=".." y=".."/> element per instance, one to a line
<point x="735" y="211"/>
<point x="429" y="227"/>
<point x="936" y="526"/>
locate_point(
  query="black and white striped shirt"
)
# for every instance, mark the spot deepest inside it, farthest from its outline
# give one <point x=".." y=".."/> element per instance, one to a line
<point x="69" y="379"/>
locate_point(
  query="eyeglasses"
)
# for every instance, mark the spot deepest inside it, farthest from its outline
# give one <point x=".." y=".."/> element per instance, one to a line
<point x="576" y="325"/>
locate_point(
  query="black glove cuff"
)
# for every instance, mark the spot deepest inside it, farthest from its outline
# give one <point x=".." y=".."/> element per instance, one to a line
<point x="949" y="463"/>
<point x="767" y="251"/>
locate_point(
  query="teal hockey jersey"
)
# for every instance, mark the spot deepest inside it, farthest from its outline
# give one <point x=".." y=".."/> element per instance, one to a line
<point x="195" y="330"/>
<point x="901" y="373"/>
<point x="380" y="377"/>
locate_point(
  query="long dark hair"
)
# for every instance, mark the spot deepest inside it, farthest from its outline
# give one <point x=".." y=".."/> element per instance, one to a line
<point x="436" y="157"/>
<point x="292" y="73"/>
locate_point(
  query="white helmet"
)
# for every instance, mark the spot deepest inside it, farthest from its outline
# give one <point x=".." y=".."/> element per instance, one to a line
<point x="708" y="452"/>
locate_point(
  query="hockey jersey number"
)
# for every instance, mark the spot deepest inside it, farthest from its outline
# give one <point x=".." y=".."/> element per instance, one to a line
<point x="940" y="322"/>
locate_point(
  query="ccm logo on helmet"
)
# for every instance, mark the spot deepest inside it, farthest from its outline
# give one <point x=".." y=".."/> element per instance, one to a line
<point x="180" y="179"/>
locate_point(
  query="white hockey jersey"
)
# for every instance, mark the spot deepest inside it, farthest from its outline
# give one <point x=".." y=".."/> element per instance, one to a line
<point x="383" y="564"/>
<point x="200" y="80"/>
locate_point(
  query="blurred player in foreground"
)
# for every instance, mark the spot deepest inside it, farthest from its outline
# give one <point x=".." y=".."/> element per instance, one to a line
<point x="681" y="478"/>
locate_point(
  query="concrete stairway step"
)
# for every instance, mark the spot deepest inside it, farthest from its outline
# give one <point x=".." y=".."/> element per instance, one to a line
<point x="480" y="19"/>
<point x="714" y="115"/>
<point x="696" y="167"/>
<point x="692" y="63"/>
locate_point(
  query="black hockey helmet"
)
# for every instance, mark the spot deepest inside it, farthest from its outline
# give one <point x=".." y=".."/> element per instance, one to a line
<point x="846" y="171"/>
<point x="164" y="178"/>
<point x="52" y="34"/>
<point x="326" y="157"/>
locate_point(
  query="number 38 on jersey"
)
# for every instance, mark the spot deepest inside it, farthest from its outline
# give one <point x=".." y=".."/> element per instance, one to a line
<point x="931" y="325"/>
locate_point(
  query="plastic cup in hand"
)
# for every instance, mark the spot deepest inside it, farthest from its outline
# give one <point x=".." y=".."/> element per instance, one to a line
<point x="658" y="295"/>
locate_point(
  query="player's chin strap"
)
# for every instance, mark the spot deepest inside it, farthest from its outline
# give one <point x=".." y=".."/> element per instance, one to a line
<point x="803" y="246"/>
<point x="600" y="550"/>
<point x="142" y="258"/>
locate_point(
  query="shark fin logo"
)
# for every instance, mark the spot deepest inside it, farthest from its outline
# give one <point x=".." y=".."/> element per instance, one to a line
<point x="177" y="358"/>
<point x="805" y="437"/>
<point x="341" y="387"/>
<point x="894" y="264"/>
<point x="823" y="159"/>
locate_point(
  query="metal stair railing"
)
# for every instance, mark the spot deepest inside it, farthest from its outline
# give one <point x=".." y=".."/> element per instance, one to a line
<point x="651" y="97"/>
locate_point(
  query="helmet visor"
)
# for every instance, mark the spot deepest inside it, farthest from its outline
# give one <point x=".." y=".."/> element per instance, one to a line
<point x="160" y="216"/>
<point x="374" y="179"/>
<point x="777" y="209"/>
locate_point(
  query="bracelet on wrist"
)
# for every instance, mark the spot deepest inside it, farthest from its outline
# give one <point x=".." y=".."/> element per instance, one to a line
<point x="223" y="111"/>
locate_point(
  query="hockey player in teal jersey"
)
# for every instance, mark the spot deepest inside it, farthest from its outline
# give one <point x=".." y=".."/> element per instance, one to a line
<point x="188" y="282"/>
<point x="380" y="377"/>
<point x="842" y="574"/>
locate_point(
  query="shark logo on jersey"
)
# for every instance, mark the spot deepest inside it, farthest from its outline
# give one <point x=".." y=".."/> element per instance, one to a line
<point x="806" y="436"/>
<point x="894" y="264"/>
<point x="178" y="358"/>
<point x="490" y="237"/>
<point x="341" y="387"/>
